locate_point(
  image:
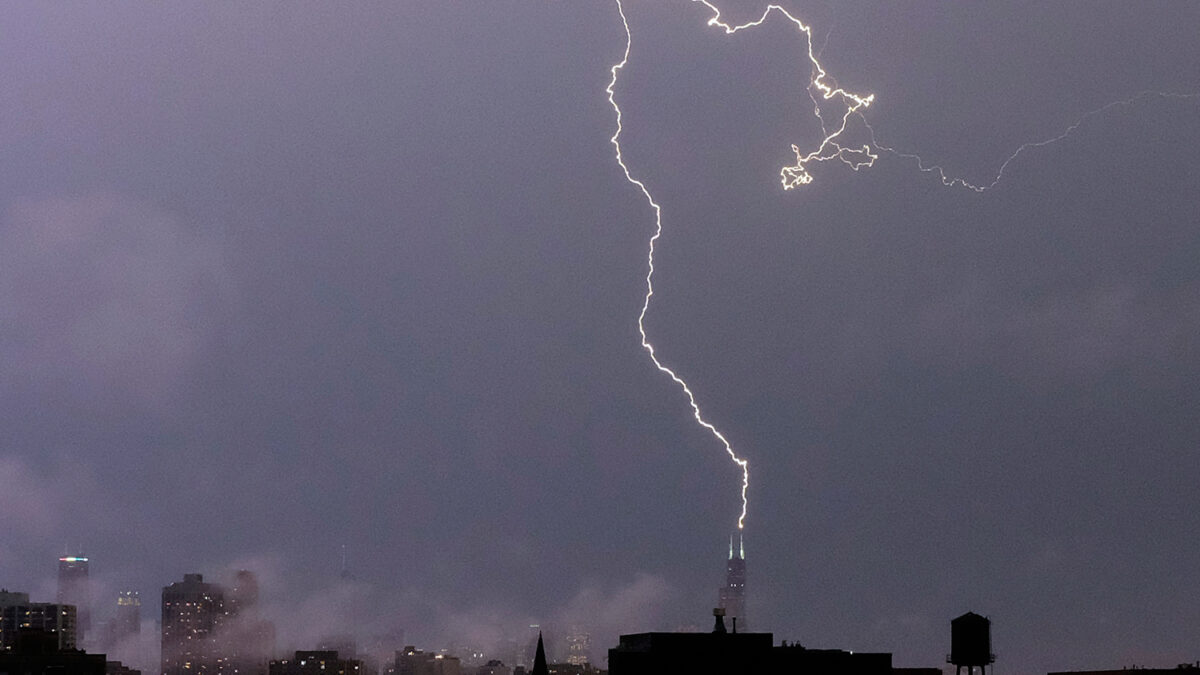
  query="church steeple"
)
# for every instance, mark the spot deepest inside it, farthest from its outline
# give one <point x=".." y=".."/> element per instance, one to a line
<point x="539" y="659"/>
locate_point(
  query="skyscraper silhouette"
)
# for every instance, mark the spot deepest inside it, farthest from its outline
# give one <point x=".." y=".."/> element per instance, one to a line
<point x="126" y="623"/>
<point x="73" y="589"/>
<point x="732" y="596"/>
<point x="192" y="612"/>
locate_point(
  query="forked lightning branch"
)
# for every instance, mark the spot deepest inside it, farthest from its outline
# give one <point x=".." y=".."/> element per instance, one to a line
<point x="831" y="146"/>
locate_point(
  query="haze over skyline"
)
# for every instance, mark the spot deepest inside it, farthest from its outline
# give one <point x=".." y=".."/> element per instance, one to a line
<point x="295" y="276"/>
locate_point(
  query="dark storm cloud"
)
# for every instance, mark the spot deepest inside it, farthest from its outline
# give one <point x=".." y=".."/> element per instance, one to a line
<point x="283" y="277"/>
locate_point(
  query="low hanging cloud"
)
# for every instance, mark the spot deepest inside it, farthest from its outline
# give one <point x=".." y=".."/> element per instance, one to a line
<point x="103" y="293"/>
<point x="383" y="619"/>
<point x="627" y="608"/>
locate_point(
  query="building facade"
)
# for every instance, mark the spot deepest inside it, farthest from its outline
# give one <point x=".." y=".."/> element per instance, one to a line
<point x="215" y="629"/>
<point x="413" y="661"/>
<point x="192" y="613"/>
<point x="37" y="651"/>
<point x="323" y="662"/>
<point x="74" y="589"/>
<point x="126" y="622"/>
<point x="247" y="640"/>
<point x="18" y="615"/>
<point x="579" y="646"/>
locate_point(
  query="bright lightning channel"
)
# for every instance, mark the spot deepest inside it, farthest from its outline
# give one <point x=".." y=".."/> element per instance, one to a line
<point x="616" y="141"/>
<point x="866" y="154"/>
<point x="796" y="175"/>
<point x="830" y="147"/>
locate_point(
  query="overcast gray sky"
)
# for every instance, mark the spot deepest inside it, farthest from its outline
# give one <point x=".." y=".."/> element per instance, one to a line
<point x="281" y="277"/>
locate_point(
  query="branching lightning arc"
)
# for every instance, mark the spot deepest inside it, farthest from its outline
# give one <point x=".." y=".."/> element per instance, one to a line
<point x="616" y="141"/>
<point x="831" y="147"/>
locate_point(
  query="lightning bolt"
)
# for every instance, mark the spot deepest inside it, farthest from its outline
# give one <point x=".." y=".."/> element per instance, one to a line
<point x="832" y="147"/>
<point x="1071" y="129"/>
<point x="866" y="154"/>
<point x="646" y="344"/>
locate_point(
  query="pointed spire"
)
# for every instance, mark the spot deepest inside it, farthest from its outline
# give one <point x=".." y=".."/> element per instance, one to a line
<point x="539" y="659"/>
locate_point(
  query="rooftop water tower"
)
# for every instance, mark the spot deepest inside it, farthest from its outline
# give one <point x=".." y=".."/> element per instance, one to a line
<point x="971" y="643"/>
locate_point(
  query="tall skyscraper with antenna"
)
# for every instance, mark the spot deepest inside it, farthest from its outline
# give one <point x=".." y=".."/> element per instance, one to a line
<point x="732" y="596"/>
<point x="74" y="589"/>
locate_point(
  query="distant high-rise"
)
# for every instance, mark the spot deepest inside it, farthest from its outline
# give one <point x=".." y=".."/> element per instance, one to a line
<point x="248" y="640"/>
<point x="117" y="637"/>
<point x="125" y="623"/>
<point x="209" y="628"/>
<point x="242" y="597"/>
<point x="192" y="612"/>
<point x="732" y="596"/>
<point x="579" y="646"/>
<point x="17" y="615"/>
<point x="128" y="619"/>
<point x="73" y="589"/>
